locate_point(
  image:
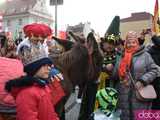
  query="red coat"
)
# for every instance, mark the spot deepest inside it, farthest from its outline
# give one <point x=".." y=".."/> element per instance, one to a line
<point x="35" y="103"/>
<point x="57" y="91"/>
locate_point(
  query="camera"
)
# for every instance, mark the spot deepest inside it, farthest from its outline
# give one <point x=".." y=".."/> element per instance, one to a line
<point x="146" y="31"/>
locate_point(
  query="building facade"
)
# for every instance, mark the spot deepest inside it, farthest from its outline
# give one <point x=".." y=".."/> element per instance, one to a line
<point x="136" y="22"/>
<point x="18" y="13"/>
<point x="81" y="28"/>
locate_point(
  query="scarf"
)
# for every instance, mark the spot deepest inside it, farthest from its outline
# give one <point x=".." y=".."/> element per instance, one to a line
<point x="126" y="62"/>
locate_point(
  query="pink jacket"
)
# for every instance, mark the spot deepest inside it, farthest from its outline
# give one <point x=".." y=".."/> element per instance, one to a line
<point x="8" y="70"/>
<point x="35" y="103"/>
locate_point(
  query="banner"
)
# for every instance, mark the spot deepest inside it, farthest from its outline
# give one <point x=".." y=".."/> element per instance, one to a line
<point x="156" y="18"/>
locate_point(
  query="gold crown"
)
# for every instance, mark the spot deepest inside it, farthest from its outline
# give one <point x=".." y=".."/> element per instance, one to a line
<point x="112" y="37"/>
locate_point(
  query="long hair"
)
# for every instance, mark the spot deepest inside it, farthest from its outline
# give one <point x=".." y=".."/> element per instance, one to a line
<point x="2" y="39"/>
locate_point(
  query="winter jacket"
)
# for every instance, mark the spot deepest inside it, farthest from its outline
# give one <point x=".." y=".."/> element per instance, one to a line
<point x="155" y="53"/>
<point x="143" y="69"/>
<point x="34" y="99"/>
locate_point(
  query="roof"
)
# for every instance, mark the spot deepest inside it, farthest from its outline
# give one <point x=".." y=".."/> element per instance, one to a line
<point x="137" y="17"/>
<point x="18" y="6"/>
<point x="76" y="29"/>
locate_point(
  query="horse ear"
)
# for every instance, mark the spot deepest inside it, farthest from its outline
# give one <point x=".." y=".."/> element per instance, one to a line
<point x="91" y="37"/>
<point x="77" y="38"/>
<point x="65" y="43"/>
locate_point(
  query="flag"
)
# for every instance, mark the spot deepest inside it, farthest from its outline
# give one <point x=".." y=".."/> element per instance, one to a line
<point x="156" y="18"/>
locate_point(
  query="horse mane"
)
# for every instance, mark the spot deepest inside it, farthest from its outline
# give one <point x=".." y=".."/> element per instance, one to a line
<point x="78" y="38"/>
<point x="95" y="66"/>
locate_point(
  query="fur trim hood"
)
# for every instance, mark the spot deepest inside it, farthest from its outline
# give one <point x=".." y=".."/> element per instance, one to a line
<point x="24" y="81"/>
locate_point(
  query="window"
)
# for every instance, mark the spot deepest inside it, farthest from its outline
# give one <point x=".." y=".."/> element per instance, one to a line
<point x="23" y="9"/>
<point x="42" y="4"/>
<point x="20" y="21"/>
<point x="8" y="23"/>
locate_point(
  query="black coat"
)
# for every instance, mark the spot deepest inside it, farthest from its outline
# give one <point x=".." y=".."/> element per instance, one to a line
<point x="155" y="53"/>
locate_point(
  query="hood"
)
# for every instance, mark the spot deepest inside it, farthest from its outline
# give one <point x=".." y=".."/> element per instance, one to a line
<point x="16" y="85"/>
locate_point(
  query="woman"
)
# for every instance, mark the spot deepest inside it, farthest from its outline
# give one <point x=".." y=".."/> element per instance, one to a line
<point x="9" y="49"/>
<point x="143" y="70"/>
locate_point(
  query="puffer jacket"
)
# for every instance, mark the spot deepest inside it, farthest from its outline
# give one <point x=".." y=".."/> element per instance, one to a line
<point x="143" y="69"/>
<point x="33" y="99"/>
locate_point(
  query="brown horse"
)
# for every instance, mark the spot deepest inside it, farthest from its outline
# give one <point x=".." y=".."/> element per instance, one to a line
<point x="79" y="64"/>
<point x="73" y="63"/>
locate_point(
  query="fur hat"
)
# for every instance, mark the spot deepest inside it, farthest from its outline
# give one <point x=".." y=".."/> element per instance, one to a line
<point x="34" y="57"/>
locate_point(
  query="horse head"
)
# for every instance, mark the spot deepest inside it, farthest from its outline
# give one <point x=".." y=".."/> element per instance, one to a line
<point x="75" y="63"/>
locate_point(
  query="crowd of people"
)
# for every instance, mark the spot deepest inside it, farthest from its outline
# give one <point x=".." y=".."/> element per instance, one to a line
<point x="107" y="94"/>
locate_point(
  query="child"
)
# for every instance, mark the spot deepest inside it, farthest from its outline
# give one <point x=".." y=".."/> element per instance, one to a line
<point x="35" y="96"/>
<point x="106" y="103"/>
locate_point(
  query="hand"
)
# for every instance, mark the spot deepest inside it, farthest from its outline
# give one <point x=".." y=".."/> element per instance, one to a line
<point x="139" y="85"/>
<point x="109" y="67"/>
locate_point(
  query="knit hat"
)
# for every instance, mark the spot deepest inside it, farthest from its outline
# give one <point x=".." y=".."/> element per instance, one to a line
<point x="107" y="99"/>
<point x="34" y="57"/>
<point x="131" y="35"/>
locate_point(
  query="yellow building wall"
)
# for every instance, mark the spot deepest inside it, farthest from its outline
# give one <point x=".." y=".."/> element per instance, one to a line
<point x="137" y="26"/>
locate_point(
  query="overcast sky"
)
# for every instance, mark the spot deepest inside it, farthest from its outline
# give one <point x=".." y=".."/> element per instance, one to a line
<point x="99" y="12"/>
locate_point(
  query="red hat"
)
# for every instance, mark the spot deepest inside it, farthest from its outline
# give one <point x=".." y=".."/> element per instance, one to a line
<point x="37" y="30"/>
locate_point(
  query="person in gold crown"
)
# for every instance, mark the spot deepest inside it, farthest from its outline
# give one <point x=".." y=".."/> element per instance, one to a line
<point x="35" y="36"/>
<point x="109" y="50"/>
